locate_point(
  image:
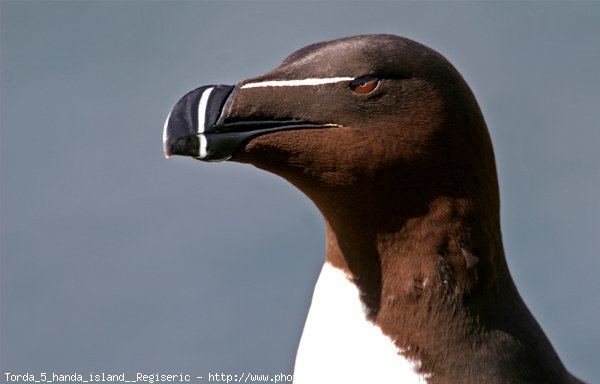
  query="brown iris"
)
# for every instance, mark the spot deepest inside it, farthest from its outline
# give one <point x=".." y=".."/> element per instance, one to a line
<point x="364" y="84"/>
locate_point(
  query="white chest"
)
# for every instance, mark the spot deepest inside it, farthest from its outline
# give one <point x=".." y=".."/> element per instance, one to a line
<point x="339" y="345"/>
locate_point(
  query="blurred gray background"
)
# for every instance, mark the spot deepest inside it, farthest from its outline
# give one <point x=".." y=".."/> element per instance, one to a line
<point x="114" y="259"/>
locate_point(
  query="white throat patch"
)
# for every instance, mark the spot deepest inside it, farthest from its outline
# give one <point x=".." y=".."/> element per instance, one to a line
<point x="339" y="345"/>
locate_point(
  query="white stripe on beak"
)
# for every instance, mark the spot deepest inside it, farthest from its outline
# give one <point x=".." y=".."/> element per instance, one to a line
<point x="202" y="148"/>
<point x="202" y="109"/>
<point x="296" y="83"/>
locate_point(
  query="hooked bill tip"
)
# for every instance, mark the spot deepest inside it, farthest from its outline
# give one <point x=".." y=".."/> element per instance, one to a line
<point x="166" y="149"/>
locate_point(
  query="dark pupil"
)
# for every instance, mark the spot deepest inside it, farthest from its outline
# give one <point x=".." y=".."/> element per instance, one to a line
<point x="363" y="81"/>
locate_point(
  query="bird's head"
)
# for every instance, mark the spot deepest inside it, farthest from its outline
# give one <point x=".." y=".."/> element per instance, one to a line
<point x="376" y="115"/>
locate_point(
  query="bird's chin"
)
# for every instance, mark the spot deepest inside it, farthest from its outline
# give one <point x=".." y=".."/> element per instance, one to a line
<point x="265" y="139"/>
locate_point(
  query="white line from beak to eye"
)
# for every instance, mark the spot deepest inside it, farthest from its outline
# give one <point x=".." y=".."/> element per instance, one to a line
<point x="202" y="108"/>
<point x="296" y="83"/>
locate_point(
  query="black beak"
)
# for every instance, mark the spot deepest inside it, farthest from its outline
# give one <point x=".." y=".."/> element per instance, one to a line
<point x="197" y="125"/>
<point x="191" y="118"/>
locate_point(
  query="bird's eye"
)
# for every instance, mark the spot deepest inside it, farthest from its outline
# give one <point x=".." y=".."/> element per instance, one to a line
<point x="364" y="84"/>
